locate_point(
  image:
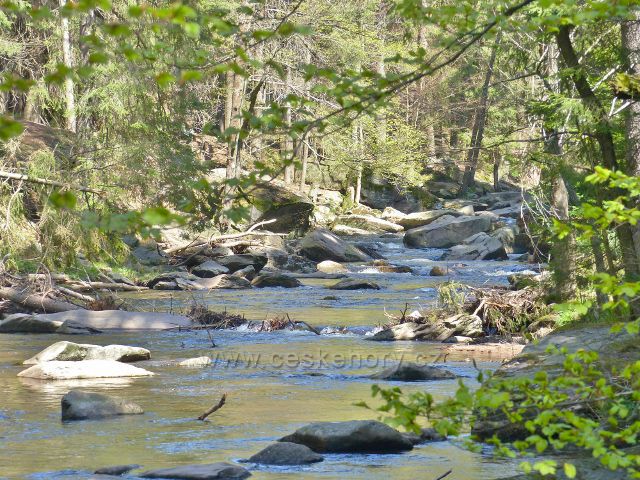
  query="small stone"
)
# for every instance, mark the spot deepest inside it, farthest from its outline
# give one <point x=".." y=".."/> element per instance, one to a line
<point x="438" y="271"/>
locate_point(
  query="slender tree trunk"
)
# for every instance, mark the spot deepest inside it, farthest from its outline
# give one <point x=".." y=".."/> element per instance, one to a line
<point x="70" y="101"/>
<point x="305" y="146"/>
<point x="631" y="52"/>
<point x="598" y="257"/>
<point x="480" y="121"/>
<point x="358" y="139"/>
<point x="290" y="170"/>
<point x="228" y="101"/>
<point x="604" y="137"/>
<point x="496" y="171"/>
<point x="563" y="262"/>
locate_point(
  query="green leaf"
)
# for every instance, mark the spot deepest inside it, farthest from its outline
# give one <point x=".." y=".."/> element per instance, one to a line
<point x="66" y="199"/>
<point x="570" y="470"/>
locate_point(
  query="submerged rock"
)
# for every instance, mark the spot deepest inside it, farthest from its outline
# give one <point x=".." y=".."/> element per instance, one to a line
<point x="286" y="453"/>
<point x="412" y="372"/>
<point x="117" y="470"/>
<point x="275" y="280"/>
<point x="57" y="370"/>
<point x="195" y="362"/>
<point x="322" y="245"/>
<point x="446" y="232"/>
<point x="438" y="271"/>
<point x="357" y="436"/>
<point x="355" y="284"/>
<point x="211" y="471"/>
<point x="68" y="351"/>
<point x="81" y="405"/>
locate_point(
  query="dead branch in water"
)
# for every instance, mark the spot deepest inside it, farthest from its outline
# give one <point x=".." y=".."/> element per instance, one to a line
<point x="202" y="315"/>
<point x="217" y="406"/>
<point x="444" y="475"/>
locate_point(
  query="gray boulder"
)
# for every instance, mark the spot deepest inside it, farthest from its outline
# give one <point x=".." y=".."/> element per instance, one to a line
<point x="81" y="405"/>
<point x="393" y="215"/>
<point x="148" y="256"/>
<point x="21" y="323"/>
<point x="464" y="324"/>
<point x="210" y="471"/>
<point x="321" y="245"/>
<point x="480" y="246"/>
<point x="369" y="223"/>
<point x="56" y="370"/>
<point x="355" y="284"/>
<point x="68" y="351"/>
<point x="247" y="272"/>
<point x="446" y="232"/>
<point x="275" y="280"/>
<point x="348" y="231"/>
<point x="357" y="436"/>
<point x="412" y="372"/>
<point x="116" y="470"/>
<point x="225" y="281"/>
<point x="419" y="219"/>
<point x="286" y="453"/>
<point x="238" y="262"/>
<point x="209" y="269"/>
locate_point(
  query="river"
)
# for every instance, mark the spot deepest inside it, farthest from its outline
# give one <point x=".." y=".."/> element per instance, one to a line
<point x="275" y="382"/>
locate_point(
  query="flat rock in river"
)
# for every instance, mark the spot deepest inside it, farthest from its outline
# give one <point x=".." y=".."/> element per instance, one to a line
<point x="355" y="284"/>
<point x="22" y="323"/>
<point x="118" y="319"/>
<point x="275" y="280"/>
<point x="412" y="372"/>
<point x="356" y="436"/>
<point x="286" y="453"/>
<point x="210" y="471"/>
<point x="69" y="351"/>
<point x="57" y="370"/>
<point x="419" y="219"/>
<point x="81" y="405"/>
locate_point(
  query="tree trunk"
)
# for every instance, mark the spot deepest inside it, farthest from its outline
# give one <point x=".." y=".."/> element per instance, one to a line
<point x="631" y="52"/>
<point x="305" y="146"/>
<point x="496" y="171"/>
<point x="289" y="170"/>
<point x="477" y="133"/>
<point x="563" y="250"/>
<point x="604" y="137"/>
<point x="70" y="101"/>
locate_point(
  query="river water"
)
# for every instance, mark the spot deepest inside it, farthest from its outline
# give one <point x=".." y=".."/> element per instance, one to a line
<point x="275" y="382"/>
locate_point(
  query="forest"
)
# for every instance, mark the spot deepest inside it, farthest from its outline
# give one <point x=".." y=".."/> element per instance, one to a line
<point x="386" y="226"/>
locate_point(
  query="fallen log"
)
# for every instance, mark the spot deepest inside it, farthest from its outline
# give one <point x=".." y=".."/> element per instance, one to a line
<point x="36" y="301"/>
<point x="116" y="287"/>
<point x="74" y="294"/>
<point x="217" y="406"/>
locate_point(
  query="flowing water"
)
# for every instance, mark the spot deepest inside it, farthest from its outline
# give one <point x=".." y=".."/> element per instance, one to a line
<point x="275" y="383"/>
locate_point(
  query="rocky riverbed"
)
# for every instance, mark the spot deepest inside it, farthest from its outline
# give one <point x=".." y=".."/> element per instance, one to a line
<point x="275" y="382"/>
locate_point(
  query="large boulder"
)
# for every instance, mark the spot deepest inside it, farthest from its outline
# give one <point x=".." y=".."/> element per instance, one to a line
<point x="80" y="405"/>
<point x="355" y="284"/>
<point x="393" y="215"/>
<point x="369" y="223"/>
<point x="322" y="245"/>
<point x="174" y="281"/>
<point x="238" y="262"/>
<point x="419" y="219"/>
<point x="274" y="200"/>
<point x="357" y="436"/>
<point x="275" y="280"/>
<point x="286" y="453"/>
<point x="480" y="246"/>
<point x="209" y="269"/>
<point x="446" y="232"/>
<point x="68" y="351"/>
<point x="57" y="370"/>
<point x="412" y="372"/>
<point x="210" y="471"/>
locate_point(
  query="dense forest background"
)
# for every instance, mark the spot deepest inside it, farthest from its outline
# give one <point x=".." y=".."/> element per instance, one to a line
<point x="158" y="103"/>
